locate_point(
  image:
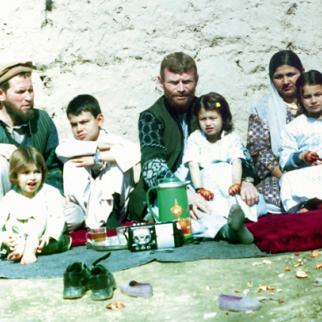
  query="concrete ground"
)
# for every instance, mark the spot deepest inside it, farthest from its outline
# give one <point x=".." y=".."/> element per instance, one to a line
<point x="182" y="292"/>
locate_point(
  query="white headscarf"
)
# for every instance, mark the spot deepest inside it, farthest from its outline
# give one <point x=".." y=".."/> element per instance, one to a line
<point x="272" y="109"/>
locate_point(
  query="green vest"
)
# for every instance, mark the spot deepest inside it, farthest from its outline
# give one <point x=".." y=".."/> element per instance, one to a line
<point x="173" y="140"/>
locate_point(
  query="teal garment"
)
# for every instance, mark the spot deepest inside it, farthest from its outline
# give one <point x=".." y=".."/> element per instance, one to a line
<point x="41" y="134"/>
<point x="162" y="139"/>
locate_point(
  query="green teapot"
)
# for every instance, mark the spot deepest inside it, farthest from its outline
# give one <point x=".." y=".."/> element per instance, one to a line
<point x="172" y="201"/>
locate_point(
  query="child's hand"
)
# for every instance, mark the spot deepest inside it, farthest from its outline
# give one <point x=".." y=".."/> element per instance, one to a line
<point x="83" y="161"/>
<point x="234" y="189"/>
<point x="28" y="257"/>
<point x="15" y="255"/>
<point x="42" y="243"/>
<point x="10" y="241"/>
<point x="206" y="194"/>
<point x="311" y="157"/>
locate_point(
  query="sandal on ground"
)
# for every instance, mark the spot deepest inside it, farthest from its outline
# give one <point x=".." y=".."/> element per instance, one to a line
<point x="137" y="289"/>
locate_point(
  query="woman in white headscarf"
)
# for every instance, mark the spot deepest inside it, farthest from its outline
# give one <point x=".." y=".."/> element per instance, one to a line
<point x="267" y="120"/>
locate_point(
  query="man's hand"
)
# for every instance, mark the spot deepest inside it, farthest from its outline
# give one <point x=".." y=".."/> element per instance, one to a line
<point x="83" y="161"/>
<point x="249" y="193"/>
<point x="234" y="189"/>
<point x="198" y="205"/>
<point x="206" y="194"/>
<point x="7" y="149"/>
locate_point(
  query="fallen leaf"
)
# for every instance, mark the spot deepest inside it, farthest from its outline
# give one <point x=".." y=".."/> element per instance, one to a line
<point x="315" y="253"/>
<point x="249" y="284"/>
<point x="287" y="269"/>
<point x="318" y="266"/>
<point x="115" y="305"/>
<point x="296" y="254"/>
<point x="301" y="274"/>
<point x="266" y="288"/>
<point x="299" y="263"/>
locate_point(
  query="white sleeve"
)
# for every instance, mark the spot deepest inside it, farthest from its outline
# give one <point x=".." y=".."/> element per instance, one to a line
<point x="74" y="148"/>
<point x="288" y="146"/>
<point x="234" y="148"/>
<point x="126" y="154"/>
<point x="192" y="150"/>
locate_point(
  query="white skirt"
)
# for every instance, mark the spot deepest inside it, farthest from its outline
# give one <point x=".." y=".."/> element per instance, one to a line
<point x="218" y="178"/>
<point x="300" y="185"/>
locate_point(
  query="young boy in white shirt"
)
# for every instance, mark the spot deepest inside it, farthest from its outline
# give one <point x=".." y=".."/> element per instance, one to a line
<point x="98" y="167"/>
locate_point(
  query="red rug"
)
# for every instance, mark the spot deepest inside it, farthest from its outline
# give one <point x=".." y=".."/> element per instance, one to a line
<point x="276" y="233"/>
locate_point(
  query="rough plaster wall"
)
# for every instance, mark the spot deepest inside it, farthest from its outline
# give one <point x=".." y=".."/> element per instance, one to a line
<point x="112" y="49"/>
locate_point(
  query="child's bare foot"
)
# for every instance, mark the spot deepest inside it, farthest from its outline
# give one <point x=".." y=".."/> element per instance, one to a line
<point x="15" y="256"/>
<point x="28" y="258"/>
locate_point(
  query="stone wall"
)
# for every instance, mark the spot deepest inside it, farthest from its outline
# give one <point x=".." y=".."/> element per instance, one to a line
<point x="112" y="49"/>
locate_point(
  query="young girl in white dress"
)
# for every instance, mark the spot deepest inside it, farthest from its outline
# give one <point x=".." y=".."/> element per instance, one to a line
<point x="301" y="150"/>
<point x="213" y="155"/>
<point x="31" y="214"/>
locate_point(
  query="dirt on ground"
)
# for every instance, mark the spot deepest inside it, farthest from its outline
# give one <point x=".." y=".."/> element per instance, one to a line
<point x="289" y="288"/>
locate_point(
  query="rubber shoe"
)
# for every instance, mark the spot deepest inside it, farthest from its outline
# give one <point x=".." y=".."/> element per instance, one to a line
<point x="101" y="283"/>
<point x="237" y="303"/>
<point x="137" y="289"/>
<point x="76" y="277"/>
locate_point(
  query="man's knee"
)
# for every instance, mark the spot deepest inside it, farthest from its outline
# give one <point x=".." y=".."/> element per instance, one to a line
<point x="74" y="216"/>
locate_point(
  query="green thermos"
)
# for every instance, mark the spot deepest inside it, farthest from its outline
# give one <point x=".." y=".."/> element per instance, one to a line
<point x="172" y="201"/>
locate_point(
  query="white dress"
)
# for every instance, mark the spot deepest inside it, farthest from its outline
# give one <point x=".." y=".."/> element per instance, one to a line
<point x="305" y="182"/>
<point x="31" y="218"/>
<point x="215" y="160"/>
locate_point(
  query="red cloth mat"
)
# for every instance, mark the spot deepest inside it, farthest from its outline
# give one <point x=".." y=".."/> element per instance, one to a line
<point x="276" y="233"/>
<point x="79" y="236"/>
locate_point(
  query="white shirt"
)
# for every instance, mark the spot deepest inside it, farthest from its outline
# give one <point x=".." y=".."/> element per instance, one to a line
<point x="302" y="134"/>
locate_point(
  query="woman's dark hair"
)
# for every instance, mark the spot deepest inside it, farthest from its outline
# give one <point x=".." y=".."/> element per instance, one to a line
<point x="216" y="102"/>
<point x="284" y="57"/>
<point x="312" y="77"/>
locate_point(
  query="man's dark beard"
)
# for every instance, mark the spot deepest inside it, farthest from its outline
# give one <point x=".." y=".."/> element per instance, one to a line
<point x="19" y="117"/>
